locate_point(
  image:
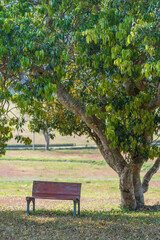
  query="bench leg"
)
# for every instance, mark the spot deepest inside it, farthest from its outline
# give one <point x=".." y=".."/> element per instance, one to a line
<point x="78" y="207"/>
<point x="33" y="204"/>
<point x="74" y="212"/>
<point x="28" y="203"/>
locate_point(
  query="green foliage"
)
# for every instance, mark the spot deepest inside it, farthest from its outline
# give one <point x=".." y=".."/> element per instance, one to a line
<point x="51" y="116"/>
<point x="8" y="121"/>
<point x="5" y="135"/>
<point x="105" y="53"/>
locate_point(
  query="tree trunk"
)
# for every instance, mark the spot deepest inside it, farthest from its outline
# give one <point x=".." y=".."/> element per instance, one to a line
<point x="47" y="139"/>
<point x="128" y="199"/>
<point x="138" y="190"/>
<point x="131" y="187"/>
<point x="47" y="142"/>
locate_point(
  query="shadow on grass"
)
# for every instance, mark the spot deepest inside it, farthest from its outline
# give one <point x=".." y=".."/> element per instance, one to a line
<point x="98" y="214"/>
<point x="147" y="212"/>
<point x="57" y="224"/>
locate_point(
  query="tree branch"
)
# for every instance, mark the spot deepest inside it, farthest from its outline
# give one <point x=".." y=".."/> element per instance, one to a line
<point x="149" y="174"/>
<point x="131" y="88"/>
<point x="112" y="156"/>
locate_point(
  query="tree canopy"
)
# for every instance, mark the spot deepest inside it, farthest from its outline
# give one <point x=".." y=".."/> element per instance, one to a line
<point x="100" y="59"/>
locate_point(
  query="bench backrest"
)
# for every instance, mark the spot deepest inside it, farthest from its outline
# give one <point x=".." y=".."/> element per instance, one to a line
<point x="56" y="190"/>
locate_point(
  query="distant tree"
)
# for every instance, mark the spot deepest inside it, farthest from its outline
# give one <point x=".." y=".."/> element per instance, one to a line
<point x="49" y="117"/>
<point x="100" y="59"/>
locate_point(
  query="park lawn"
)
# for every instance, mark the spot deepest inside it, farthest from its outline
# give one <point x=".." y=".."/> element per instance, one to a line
<point x="53" y="219"/>
<point x="59" y="224"/>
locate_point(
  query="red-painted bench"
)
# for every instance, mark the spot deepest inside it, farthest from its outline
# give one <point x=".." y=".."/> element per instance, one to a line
<point x="55" y="190"/>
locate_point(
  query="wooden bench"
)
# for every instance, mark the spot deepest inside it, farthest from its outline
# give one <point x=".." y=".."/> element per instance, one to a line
<point x="55" y="190"/>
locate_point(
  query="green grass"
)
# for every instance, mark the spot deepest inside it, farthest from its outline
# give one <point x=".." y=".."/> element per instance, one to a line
<point x="53" y="219"/>
<point x="58" y="225"/>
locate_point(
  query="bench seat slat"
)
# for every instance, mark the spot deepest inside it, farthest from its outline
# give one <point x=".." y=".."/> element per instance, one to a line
<point x="55" y="191"/>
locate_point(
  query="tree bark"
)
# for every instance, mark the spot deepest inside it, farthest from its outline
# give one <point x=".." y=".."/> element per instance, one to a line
<point x="131" y="187"/>
<point x="149" y="174"/>
<point x="138" y="190"/>
<point x="47" y="139"/>
<point x="128" y="199"/>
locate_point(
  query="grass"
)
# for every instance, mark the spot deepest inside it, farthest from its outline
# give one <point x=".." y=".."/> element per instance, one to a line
<point x="99" y="225"/>
<point x="53" y="219"/>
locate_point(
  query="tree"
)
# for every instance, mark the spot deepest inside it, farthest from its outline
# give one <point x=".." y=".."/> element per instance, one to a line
<point x="101" y="61"/>
<point x="51" y="116"/>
